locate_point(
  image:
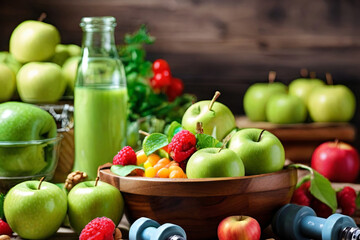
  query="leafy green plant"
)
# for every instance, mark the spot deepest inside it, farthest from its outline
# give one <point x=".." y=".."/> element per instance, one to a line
<point x="150" y="109"/>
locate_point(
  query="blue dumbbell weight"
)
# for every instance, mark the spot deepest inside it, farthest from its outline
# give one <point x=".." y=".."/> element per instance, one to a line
<point x="301" y="223"/>
<point x="148" y="229"/>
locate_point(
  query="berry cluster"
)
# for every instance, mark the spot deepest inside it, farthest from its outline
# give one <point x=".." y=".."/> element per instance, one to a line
<point x="98" y="229"/>
<point x="162" y="168"/>
<point x="180" y="149"/>
<point x="345" y="198"/>
<point x="182" y="146"/>
<point x="163" y="80"/>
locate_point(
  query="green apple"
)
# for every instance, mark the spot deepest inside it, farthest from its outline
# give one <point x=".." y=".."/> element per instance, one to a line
<point x="7" y="83"/>
<point x="332" y="103"/>
<point x="35" y="212"/>
<point x="73" y="50"/>
<point x="40" y="82"/>
<point x="88" y="200"/>
<point x="217" y="119"/>
<point x="257" y="96"/>
<point x="65" y="51"/>
<point x="8" y="59"/>
<point x="24" y="122"/>
<point x="286" y="109"/>
<point x="69" y="71"/>
<point x="261" y="151"/>
<point x="214" y="162"/>
<point x="302" y="87"/>
<point x="34" y="41"/>
<point x="60" y="55"/>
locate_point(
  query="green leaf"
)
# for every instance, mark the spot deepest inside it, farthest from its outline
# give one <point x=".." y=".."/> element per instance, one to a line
<point x="123" y="171"/>
<point x="154" y="142"/>
<point x="321" y="189"/>
<point x="206" y="141"/>
<point x="173" y="129"/>
<point x="357" y="200"/>
<point x="2" y="198"/>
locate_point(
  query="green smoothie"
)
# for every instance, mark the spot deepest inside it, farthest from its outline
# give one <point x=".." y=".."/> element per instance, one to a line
<point x="100" y="115"/>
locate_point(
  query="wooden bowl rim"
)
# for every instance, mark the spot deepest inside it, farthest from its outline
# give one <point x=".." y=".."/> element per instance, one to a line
<point x="283" y="179"/>
<point x="183" y="180"/>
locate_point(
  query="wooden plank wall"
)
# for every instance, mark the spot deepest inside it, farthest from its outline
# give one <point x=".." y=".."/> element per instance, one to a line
<point x="221" y="44"/>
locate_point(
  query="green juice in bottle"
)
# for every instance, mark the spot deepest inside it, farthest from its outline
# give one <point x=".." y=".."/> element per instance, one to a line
<point x="100" y="98"/>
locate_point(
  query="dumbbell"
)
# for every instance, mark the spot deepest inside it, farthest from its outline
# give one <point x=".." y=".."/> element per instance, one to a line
<point x="301" y="223"/>
<point x="148" y="229"/>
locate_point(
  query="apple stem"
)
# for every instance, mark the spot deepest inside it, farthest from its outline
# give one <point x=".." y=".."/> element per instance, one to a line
<point x="41" y="181"/>
<point x="261" y="135"/>
<point x="225" y="141"/>
<point x="304" y="73"/>
<point x="96" y="181"/>
<point x="272" y="76"/>
<point x="42" y="17"/>
<point x="312" y="74"/>
<point x="336" y="142"/>
<point x="144" y="133"/>
<point x="329" y="79"/>
<point x="199" y="128"/>
<point x="216" y="95"/>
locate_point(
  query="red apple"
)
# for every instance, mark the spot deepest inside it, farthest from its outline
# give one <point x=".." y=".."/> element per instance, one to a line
<point x="239" y="228"/>
<point x="337" y="161"/>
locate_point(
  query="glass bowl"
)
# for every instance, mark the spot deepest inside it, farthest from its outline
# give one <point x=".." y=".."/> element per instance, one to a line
<point x="27" y="160"/>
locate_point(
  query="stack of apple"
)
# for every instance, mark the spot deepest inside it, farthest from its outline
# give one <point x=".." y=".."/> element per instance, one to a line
<point x="246" y="151"/>
<point x="277" y="103"/>
<point x="37" y="66"/>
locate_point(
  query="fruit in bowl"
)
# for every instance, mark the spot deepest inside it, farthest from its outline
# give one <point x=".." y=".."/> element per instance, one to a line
<point x="209" y="183"/>
<point x="28" y="142"/>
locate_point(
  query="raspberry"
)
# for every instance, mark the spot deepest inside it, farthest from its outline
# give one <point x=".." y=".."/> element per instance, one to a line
<point x="346" y="200"/>
<point x="98" y="229"/>
<point x="126" y="156"/>
<point x="182" y="145"/>
<point x="5" y="228"/>
<point x="321" y="209"/>
<point x="302" y="195"/>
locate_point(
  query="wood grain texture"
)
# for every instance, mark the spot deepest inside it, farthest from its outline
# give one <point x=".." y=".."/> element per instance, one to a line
<point x="221" y="45"/>
<point x="198" y="205"/>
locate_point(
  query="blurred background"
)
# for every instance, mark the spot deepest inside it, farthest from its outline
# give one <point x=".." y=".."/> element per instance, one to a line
<point x="221" y="45"/>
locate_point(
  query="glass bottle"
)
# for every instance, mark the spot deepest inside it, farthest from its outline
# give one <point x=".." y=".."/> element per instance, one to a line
<point x="100" y="97"/>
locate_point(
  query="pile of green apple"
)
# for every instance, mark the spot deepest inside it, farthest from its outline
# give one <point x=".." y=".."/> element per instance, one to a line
<point x="277" y="103"/>
<point x="37" y="67"/>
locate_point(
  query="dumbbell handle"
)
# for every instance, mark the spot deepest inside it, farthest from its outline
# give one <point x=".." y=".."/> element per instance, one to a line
<point x="150" y="231"/>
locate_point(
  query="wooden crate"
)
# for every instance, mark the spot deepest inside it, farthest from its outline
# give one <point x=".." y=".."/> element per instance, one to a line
<point x="300" y="140"/>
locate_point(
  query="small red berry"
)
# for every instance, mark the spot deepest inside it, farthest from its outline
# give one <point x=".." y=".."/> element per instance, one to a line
<point x="175" y="89"/>
<point x="160" y="65"/>
<point x="182" y="146"/>
<point x="302" y="195"/>
<point x="321" y="209"/>
<point x="161" y="80"/>
<point x="5" y="228"/>
<point x="98" y="229"/>
<point x="346" y="200"/>
<point x="126" y="156"/>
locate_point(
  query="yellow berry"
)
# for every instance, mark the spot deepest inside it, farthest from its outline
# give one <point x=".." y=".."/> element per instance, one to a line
<point x="140" y="157"/>
<point x="150" y="172"/>
<point x="153" y="159"/>
<point x="147" y="164"/>
<point x="177" y="174"/>
<point x="163" y="173"/>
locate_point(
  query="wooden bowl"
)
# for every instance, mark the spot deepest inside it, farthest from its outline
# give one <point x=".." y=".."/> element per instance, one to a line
<point x="198" y="205"/>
